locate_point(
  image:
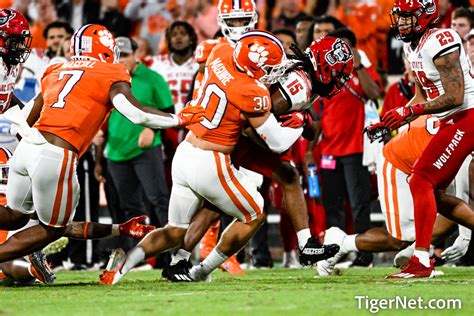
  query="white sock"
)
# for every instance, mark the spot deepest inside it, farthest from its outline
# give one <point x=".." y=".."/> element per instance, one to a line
<point x="349" y="243"/>
<point x="423" y="256"/>
<point x="134" y="256"/>
<point x="181" y="254"/>
<point x="303" y="236"/>
<point x="213" y="261"/>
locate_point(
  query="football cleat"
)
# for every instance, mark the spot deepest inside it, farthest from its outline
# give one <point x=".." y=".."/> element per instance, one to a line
<point x="232" y="266"/>
<point x="56" y="246"/>
<point x="290" y="260"/>
<point x="133" y="229"/>
<point x="414" y="269"/>
<point x="40" y="268"/>
<point x="198" y="275"/>
<point x="112" y="273"/>
<point x="178" y="272"/>
<point x="313" y="251"/>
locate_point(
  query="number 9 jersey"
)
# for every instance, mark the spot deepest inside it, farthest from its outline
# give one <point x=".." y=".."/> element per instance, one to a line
<point x="76" y="99"/>
<point x="433" y="44"/>
<point x="226" y="93"/>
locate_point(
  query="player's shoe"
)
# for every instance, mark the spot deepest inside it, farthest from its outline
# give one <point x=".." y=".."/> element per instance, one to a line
<point x="56" y="246"/>
<point x="414" y="269"/>
<point x="403" y="256"/>
<point x="112" y="273"/>
<point x="313" y="251"/>
<point x="232" y="266"/>
<point x="290" y="260"/>
<point x="198" y="275"/>
<point x="209" y="240"/>
<point x="40" y="268"/>
<point x="178" y="272"/>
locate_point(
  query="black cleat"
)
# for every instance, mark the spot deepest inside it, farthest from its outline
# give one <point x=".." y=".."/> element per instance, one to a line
<point x="178" y="272"/>
<point x="40" y="268"/>
<point x="313" y="251"/>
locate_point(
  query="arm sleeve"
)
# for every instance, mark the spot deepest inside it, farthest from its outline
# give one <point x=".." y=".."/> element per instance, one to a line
<point x="278" y="138"/>
<point x="137" y="116"/>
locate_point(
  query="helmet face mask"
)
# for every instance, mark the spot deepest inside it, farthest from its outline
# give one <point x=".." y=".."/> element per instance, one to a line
<point x="15" y="37"/>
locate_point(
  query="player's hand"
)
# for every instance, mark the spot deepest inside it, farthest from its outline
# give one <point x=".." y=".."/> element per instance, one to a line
<point x="190" y="115"/>
<point x="395" y="118"/>
<point x="457" y="250"/>
<point x="98" y="173"/>
<point x="376" y="131"/>
<point x="132" y="228"/>
<point x="146" y="138"/>
<point x="296" y="119"/>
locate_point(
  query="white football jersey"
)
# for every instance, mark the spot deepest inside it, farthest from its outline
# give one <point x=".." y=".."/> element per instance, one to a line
<point x="433" y="44"/>
<point x="179" y="77"/>
<point x="295" y="87"/>
<point x="7" y="84"/>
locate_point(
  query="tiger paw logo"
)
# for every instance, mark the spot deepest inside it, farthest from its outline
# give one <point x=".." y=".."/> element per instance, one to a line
<point x="106" y="38"/>
<point x="258" y="54"/>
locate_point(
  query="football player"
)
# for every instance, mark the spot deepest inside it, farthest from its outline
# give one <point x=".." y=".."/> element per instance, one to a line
<point x="444" y="88"/>
<point x="15" y="42"/>
<point x="393" y="169"/>
<point x="77" y="96"/>
<point x="201" y="166"/>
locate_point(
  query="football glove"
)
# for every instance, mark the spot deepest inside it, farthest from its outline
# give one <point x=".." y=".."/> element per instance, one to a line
<point x="395" y="118"/>
<point x="132" y="228"/>
<point x="376" y="131"/>
<point x="190" y="115"/>
<point x="296" y="119"/>
<point x="457" y="250"/>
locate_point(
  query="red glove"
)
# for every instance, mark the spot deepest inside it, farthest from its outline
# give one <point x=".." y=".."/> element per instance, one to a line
<point x="296" y="119"/>
<point x="395" y="118"/>
<point x="190" y="115"/>
<point x="133" y="229"/>
<point x="376" y="131"/>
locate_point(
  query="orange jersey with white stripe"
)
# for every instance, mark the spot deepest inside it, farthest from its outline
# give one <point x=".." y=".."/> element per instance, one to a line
<point x="76" y="99"/>
<point x="406" y="147"/>
<point x="225" y="94"/>
<point x="203" y="51"/>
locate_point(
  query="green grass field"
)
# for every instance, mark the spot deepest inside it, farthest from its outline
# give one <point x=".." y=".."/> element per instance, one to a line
<point x="259" y="292"/>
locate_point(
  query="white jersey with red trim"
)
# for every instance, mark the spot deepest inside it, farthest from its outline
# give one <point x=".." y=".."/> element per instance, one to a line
<point x="295" y="87"/>
<point x="433" y="44"/>
<point x="179" y="77"/>
<point x="7" y="84"/>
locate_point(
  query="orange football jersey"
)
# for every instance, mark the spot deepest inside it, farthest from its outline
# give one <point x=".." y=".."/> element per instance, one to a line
<point x="406" y="147"/>
<point x="225" y="93"/>
<point x="76" y="99"/>
<point x="201" y="55"/>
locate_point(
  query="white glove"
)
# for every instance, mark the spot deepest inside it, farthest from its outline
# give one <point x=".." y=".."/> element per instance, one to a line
<point x="457" y="250"/>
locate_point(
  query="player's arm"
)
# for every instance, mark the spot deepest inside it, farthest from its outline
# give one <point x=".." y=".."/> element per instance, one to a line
<point x="123" y="100"/>
<point x="278" y="138"/>
<point x="35" y="112"/>
<point x="91" y="230"/>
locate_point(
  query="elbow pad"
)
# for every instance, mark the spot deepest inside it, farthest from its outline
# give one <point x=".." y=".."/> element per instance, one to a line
<point x="137" y="116"/>
<point x="278" y="138"/>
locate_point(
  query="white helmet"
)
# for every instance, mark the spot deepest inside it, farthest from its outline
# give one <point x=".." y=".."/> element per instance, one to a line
<point x="236" y="9"/>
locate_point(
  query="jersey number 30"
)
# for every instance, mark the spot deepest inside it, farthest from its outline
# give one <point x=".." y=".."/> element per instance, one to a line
<point x="71" y="77"/>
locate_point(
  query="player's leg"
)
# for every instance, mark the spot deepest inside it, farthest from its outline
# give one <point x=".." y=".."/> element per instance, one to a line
<point x="18" y="271"/>
<point x="437" y="167"/>
<point x="455" y="209"/>
<point x="11" y="219"/>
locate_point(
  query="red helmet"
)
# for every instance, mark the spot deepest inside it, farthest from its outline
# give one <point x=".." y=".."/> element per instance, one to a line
<point x="15" y="37"/>
<point x="236" y="9"/>
<point x="5" y="156"/>
<point x="261" y="55"/>
<point x="95" y="41"/>
<point x="423" y="14"/>
<point x="333" y="62"/>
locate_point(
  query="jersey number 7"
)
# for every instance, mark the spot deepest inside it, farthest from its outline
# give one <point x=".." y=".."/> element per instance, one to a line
<point x="72" y="77"/>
